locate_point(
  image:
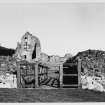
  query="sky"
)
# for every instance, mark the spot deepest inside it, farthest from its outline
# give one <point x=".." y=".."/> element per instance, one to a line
<point x="62" y="27"/>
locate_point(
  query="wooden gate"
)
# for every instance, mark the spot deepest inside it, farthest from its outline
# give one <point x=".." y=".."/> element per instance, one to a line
<point x="42" y="73"/>
<point x="31" y="75"/>
<point x="26" y="75"/>
<point x="70" y="75"/>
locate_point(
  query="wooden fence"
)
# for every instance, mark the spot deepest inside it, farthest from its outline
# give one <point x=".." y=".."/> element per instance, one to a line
<point x="31" y="75"/>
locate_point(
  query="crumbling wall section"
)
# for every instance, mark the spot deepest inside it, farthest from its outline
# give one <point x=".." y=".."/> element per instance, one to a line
<point x="29" y="48"/>
<point x="93" y="73"/>
<point x="8" y="72"/>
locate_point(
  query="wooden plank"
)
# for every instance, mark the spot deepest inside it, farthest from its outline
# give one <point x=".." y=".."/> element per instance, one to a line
<point x="18" y="76"/>
<point x="66" y="67"/>
<point x="61" y="74"/>
<point x="70" y="74"/>
<point x="36" y="75"/>
<point x="71" y="85"/>
<point x="79" y="72"/>
<point x="69" y="64"/>
<point x="42" y="73"/>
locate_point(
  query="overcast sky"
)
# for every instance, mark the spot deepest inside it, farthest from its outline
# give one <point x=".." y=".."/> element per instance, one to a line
<point x="61" y="27"/>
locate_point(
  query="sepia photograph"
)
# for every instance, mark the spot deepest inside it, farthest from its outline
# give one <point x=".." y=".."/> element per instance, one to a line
<point x="52" y="51"/>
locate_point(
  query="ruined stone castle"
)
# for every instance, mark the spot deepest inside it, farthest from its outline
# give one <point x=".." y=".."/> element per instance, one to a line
<point x="29" y="48"/>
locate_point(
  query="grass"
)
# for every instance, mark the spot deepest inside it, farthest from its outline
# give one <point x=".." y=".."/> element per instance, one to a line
<point x="50" y="95"/>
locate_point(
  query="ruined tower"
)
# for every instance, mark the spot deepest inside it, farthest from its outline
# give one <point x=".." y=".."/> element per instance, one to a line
<point x="29" y="48"/>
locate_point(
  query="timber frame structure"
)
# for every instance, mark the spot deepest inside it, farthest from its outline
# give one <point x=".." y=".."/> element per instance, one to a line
<point x="70" y="75"/>
<point x="36" y="73"/>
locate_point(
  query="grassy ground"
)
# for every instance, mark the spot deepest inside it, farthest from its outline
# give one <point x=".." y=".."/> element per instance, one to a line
<point x="50" y="95"/>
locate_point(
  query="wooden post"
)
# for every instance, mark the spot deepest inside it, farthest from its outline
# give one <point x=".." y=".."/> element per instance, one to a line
<point x="47" y="71"/>
<point x="79" y="73"/>
<point x="18" y="76"/>
<point x="61" y="74"/>
<point x="36" y="75"/>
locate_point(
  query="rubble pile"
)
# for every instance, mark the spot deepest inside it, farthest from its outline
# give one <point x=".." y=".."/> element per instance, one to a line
<point x="8" y="80"/>
<point x="93" y="83"/>
<point x="7" y="72"/>
<point x="92" y="69"/>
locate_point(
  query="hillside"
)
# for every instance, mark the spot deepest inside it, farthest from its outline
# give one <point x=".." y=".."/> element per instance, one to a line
<point x="6" y="51"/>
<point x="91" y="60"/>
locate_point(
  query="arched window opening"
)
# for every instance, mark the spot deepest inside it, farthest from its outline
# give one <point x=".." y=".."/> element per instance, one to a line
<point x="25" y="57"/>
<point x="34" y="52"/>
